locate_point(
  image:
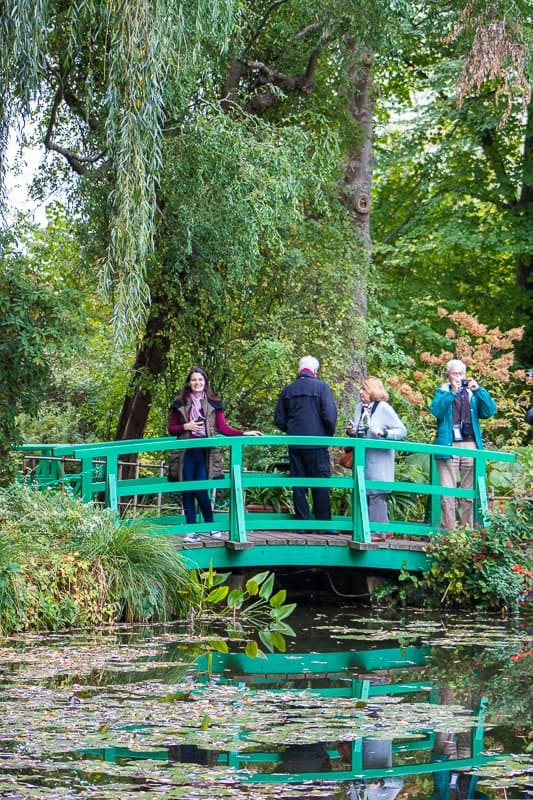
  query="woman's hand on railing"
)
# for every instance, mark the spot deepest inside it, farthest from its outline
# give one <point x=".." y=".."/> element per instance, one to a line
<point x="252" y="433"/>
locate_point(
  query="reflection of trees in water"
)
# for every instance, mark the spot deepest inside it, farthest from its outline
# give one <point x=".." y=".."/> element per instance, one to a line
<point x="500" y="672"/>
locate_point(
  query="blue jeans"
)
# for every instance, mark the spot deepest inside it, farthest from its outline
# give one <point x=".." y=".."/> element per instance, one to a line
<point x="195" y="469"/>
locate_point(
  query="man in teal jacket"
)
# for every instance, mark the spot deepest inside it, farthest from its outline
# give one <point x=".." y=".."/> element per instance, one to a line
<point x="458" y="405"/>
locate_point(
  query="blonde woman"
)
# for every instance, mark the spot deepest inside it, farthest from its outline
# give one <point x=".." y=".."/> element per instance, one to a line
<point x="374" y="418"/>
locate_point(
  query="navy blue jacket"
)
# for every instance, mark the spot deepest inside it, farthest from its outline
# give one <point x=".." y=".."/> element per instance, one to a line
<point x="306" y="407"/>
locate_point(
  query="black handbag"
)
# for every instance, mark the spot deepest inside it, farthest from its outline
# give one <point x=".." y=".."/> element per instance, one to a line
<point x="173" y="466"/>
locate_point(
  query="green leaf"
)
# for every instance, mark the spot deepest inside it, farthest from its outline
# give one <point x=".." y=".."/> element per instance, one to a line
<point x="260" y="577"/>
<point x="217" y="595"/>
<point x="219" y="645"/>
<point x="279" y="598"/>
<point x="282" y="627"/>
<point x="212" y="578"/>
<point x="251" y="649"/>
<point x="278" y="641"/>
<point x="266" y="588"/>
<point x="252" y="587"/>
<point x="266" y="638"/>
<point x="235" y="598"/>
<point x="283" y="611"/>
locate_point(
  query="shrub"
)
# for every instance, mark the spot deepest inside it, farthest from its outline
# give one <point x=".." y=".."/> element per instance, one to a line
<point x="490" y="568"/>
<point x="64" y="563"/>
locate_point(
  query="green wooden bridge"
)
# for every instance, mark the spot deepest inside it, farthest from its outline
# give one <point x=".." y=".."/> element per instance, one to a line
<point x="129" y="477"/>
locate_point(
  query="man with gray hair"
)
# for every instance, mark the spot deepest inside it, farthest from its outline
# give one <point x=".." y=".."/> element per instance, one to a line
<point x="458" y="405"/>
<point x="306" y="407"/>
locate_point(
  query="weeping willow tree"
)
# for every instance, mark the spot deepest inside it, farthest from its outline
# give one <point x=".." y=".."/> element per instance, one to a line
<point x="130" y="94"/>
<point x="105" y="76"/>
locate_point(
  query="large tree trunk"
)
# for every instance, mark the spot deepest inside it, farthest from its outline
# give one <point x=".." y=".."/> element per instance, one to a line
<point x="356" y="198"/>
<point x="150" y="362"/>
<point x="524" y="270"/>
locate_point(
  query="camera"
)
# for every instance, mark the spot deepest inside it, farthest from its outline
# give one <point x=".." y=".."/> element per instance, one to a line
<point x="467" y="429"/>
<point x="465" y="382"/>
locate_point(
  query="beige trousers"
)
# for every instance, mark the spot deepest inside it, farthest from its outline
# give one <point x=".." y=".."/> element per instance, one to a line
<point x="457" y="472"/>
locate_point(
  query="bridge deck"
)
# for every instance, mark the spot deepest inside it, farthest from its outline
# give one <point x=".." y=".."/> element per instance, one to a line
<point x="286" y="548"/>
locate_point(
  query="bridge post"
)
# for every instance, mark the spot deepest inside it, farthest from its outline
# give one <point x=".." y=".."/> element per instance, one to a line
<point x="237" y="521"/>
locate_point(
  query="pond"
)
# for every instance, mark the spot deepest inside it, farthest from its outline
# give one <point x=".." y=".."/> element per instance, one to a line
<point x="361" y="705"/>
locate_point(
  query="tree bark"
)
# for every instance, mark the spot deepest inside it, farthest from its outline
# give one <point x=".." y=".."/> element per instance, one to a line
<point x="150" y="362"/>
<point x="524" y="268"/>
<point x="356" y="198"/>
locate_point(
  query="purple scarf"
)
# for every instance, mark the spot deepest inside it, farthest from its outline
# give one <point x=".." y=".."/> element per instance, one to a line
<point x="197" y="412"/>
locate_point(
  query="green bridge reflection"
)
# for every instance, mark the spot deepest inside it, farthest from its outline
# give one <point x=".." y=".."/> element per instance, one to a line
<point x="389" y="725"/>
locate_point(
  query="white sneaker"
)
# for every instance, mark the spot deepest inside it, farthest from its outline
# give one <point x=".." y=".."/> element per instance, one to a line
<point x="191" y="537"/>
<point x="215" y="534"/>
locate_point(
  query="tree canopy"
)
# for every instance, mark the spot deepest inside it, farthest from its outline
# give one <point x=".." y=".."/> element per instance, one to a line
<point x="228" y="159"/>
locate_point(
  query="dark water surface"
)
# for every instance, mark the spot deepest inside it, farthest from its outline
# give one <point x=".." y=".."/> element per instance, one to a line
<point x="362" y="705"/>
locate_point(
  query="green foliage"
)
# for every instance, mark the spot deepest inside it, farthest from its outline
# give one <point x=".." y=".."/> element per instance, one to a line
<point x="36" y="318"/>
<point x="514" y="478"/>
<point x="145" y="573"/>
<point x="252" y="606"/>
<point x="250" y="256"/>
<point x="262" y="252"/>
<point x="124" y="65"/>
<point x="64" y="564"/>
<point x="412" y="468"/>
<point x="278" y="497"/>
<point x="490" y="568"/>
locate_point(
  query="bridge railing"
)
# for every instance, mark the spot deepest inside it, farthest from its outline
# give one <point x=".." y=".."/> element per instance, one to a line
<point x="96" y="472"/>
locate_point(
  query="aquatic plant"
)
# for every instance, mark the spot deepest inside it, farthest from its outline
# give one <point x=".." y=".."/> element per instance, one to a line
<point x="253" y="606"/>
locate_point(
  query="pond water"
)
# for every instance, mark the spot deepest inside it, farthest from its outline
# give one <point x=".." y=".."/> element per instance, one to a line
<point x="361" y="705"/>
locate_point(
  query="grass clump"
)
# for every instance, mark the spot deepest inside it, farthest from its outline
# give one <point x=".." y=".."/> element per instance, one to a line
<point x="66" y="564"/>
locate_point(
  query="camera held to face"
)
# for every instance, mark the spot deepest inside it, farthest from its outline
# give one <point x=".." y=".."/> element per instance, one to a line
<point x="465" y="382"/>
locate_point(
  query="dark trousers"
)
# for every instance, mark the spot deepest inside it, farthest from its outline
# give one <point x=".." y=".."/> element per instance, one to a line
<point x="310" y="462"/>
<point x="195" y="469"/>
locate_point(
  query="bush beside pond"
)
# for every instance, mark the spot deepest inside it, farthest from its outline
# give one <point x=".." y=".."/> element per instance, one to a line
<point x="490" y="568"/>
<point x="65" y="564"/>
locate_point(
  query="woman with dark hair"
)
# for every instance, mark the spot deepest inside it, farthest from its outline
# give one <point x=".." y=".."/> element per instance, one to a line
<point x="197" y="413"/>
